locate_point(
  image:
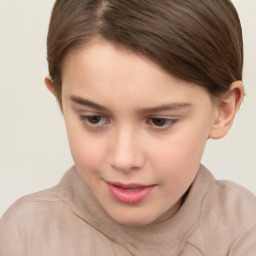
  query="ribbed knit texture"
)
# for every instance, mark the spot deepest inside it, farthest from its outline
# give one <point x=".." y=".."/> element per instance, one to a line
<point x="217" y="218"/>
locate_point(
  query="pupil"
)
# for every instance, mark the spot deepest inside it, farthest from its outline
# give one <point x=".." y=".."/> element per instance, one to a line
<point x="159" y="121"/>
<point x="94" y="119"/>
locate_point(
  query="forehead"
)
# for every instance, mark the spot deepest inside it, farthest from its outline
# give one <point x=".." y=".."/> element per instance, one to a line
<point x="101" y="56"/>
<point x="103" y="71"/>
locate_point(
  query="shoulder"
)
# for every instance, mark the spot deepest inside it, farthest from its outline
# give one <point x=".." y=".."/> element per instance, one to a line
<point x="43" y="223"/>
<point x="224" y="198"/>
<point x="233" y="201"/>
<point x="35" y="207"/>
<point x="239" y="211"/>
<point x="22" y="218"/>
<point x="228" y="217"/>
<point x="41" y="207"/>
<point x="29" y="204"/>
<point x="30" y="208"/>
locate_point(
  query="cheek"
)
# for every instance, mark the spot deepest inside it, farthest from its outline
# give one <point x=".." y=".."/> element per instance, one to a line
<point x="87" y="151"/>
<point x="191" y="142"/>
<point x="181" y="154"/>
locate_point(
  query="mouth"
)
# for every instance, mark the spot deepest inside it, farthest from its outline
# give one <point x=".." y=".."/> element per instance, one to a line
<point x="129" y="193"/>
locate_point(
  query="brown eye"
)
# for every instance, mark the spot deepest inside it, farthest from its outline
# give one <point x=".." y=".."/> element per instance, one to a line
<point x="94" y="120"/>
<point x="159" y="121"/>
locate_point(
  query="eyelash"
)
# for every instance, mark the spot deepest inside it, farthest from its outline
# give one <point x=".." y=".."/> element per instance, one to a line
<point x="96" y="126"/>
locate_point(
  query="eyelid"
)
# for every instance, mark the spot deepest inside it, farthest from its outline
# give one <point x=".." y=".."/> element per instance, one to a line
<point x="86" y="112"/>
<point x="87" y="116"/>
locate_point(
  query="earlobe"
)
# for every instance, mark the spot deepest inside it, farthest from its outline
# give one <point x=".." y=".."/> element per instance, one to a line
<point x="227" y="108"/>
<point x="49" y="84"/>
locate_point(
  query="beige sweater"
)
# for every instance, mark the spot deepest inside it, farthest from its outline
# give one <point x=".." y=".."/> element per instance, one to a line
<point x="217" y="218"/>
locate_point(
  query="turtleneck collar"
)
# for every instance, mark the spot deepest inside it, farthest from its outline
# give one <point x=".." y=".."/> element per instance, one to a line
<point x="173" y="232"/>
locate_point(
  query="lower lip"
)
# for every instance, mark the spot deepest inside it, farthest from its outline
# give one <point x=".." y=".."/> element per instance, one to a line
<point x="127" y="196"/>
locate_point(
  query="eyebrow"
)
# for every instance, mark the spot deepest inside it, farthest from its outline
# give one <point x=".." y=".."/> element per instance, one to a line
<point x="87" y="103"/>
<point x="165" y="107"/>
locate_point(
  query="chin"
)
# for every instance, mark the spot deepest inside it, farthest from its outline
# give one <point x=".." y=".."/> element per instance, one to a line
<point x="133" y="223"/>
<point x="131" y="220"/>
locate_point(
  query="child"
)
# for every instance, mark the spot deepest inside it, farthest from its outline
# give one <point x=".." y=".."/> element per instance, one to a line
<point x="142" y="85"/>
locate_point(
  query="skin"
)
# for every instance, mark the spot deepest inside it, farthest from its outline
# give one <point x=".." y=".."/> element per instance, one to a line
<point x="130" y="121"/>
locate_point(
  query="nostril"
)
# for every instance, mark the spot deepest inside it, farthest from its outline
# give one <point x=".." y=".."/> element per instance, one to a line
<point x="125" y="153"/>
<point x="121" y="169"/>
<point x="129" y="161"/>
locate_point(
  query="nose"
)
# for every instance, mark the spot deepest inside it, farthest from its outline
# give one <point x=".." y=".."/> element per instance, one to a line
<point x="126" y="152"/>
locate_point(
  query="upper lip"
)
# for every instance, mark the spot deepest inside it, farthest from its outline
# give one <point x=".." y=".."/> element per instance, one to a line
<point x="128" y="185"/>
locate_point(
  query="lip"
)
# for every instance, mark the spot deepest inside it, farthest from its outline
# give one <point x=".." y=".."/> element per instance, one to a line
<point x="131" y="193"/>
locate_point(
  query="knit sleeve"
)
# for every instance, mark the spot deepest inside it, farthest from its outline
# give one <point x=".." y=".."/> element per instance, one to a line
<point x="12" y="241"/>
<point x="245" y="243"/>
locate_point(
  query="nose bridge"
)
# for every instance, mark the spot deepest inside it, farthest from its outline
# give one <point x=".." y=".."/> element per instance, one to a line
<point x="126" y="152"/>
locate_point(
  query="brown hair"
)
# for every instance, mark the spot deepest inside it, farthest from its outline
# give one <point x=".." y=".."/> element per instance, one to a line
<point x="199" y="41"/>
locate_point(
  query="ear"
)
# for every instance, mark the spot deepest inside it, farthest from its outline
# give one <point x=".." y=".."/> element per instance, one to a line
<point x="49" y="84"/>
<point x="227" y="108"/>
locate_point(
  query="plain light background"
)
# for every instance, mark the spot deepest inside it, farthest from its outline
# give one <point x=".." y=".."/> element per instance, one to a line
<point x="34" y="151"/>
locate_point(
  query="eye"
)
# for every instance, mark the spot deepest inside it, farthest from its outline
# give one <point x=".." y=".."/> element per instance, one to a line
<point x="94" y="120"/>
<point x="160" y="122"/>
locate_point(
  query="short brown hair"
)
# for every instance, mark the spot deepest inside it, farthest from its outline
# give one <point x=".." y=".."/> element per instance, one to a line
<point x="199" y="41"/>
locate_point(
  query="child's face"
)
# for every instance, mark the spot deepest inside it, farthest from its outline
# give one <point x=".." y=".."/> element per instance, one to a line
<point x="132" y="125"/>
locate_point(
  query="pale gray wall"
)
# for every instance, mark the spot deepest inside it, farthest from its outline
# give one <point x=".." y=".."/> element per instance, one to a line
<point x="33" y="146"/>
